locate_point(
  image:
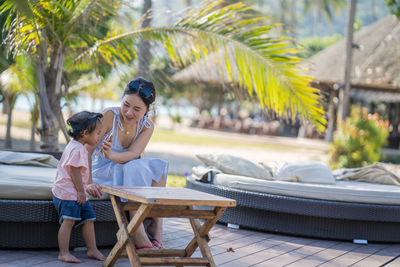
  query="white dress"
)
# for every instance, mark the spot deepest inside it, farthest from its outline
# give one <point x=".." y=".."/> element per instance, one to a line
<point x="138" y="172"/>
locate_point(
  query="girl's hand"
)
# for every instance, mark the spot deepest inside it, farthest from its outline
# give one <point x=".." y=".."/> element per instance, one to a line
<point x="81" y="198"/>
<point x="94" y="190"/>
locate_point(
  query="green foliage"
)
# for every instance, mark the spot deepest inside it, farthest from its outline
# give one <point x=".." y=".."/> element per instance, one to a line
<point x="394" y="6"/>
<point x="312" y="45"/>
<point x="358" y="140"/>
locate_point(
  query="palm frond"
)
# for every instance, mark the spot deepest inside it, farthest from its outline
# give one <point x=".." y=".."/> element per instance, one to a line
<point x="251" y="57"/>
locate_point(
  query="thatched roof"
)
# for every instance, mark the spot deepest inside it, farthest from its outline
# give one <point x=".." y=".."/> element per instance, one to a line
<point x="375" y="62"/>
<point x="210" y="70"/>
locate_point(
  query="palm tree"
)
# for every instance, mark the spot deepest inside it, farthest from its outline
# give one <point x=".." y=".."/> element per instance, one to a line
<point x="144" y="56"/>
<point x="16" y="80"/>
<point x="344" y="95"/>
<point x="263" y="65"/>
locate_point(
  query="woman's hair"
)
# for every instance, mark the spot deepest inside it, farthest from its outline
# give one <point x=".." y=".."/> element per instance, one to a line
<point x="82" y="121"/>
<point x="142" y="88"/>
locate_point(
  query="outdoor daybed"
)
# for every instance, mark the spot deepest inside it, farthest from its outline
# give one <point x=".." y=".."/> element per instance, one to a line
<point x="344" y="210"/>
<point x="28" y="218"/>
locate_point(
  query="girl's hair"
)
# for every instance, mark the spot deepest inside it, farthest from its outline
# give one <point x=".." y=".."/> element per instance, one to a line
<point x="82" y="121"/>
<point x="142" y="88"/>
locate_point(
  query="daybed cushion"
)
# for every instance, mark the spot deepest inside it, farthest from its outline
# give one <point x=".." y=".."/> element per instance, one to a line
<point x="347" y="191"/>
<point x="27" y="182"/>
<point x="30" y="159"/>
<point x="235" y="165"/>
<point x="301" y="171"/>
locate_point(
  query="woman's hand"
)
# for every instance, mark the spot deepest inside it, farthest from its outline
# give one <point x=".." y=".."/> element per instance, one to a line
<point x="81" y="198"/>
<point x="106" y="147"/>
<point x="94" y="190"/>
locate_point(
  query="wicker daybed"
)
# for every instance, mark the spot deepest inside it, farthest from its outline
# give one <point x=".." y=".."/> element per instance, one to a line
<point x="307" y="217"/>
<point x="31" y="223"/>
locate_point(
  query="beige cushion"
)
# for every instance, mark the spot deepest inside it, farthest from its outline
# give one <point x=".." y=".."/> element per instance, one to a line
<point x="28" y="182"/>
<point x="375" y="173"/>
<point x="346" y="191"/>
<point x="235" y="165"/>
<point x="31" y="159"/>
<point x="301" y="171"/>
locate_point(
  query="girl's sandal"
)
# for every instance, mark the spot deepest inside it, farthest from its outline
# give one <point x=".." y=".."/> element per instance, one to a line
<point x="157" y="244"/>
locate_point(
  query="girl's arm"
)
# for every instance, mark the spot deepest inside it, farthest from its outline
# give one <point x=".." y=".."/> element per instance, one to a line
<point x="135" y="149"/>
<point x="106" y="122"/>
<point x="77" y="180"/>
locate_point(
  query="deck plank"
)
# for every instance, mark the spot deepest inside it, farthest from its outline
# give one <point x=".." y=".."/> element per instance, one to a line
<point x="237" y="247"/>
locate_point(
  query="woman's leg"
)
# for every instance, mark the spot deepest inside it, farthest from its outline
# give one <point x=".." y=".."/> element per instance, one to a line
<point x="155" y="229"/>
<point x="90" y="240"/>
<point x="140" y="237"/>
<point x="64" y="234"/>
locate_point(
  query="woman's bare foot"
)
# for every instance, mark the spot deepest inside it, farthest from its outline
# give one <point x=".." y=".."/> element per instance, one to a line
<point x="95" y="254"/>
<point x="68" y="257"/>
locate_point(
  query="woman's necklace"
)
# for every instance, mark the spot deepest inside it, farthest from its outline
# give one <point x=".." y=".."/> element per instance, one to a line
<point x="127" y="130"/>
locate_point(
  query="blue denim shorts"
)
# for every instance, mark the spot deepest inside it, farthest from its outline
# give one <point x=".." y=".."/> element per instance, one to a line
<point x="69" y="209"/>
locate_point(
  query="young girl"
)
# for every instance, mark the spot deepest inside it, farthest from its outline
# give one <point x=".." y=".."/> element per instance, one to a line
<point x="70" y="185"/>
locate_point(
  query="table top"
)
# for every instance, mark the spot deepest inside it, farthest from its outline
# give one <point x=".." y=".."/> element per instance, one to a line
<point x="168" y="196"/>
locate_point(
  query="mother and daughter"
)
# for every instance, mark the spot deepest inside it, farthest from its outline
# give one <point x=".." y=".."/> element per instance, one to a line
<point x="113" y="146"/>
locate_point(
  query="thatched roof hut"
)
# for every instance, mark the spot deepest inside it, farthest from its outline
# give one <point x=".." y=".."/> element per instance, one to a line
<point x="375" y="62"/>
<point x="210" y="70"/>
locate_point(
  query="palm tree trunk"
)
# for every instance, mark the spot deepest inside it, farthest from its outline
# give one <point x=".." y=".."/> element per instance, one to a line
<point x="49" y="122"/>
<point x="144" y="45"/>
<point x="63" y="128"/>
<point x="331" y="117"/>
<point x="344" y="95"/>
<point x="11" y="101"/>
<point x="34" y="120"/>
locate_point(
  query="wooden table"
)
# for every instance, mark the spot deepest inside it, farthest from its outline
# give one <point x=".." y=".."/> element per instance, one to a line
<point x="164" y="202"/>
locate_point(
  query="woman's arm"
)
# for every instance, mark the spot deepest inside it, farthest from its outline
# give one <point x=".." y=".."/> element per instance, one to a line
<point x="135" y="149"/>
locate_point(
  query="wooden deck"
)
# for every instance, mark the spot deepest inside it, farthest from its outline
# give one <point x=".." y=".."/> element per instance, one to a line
<point x="232" y="247"/>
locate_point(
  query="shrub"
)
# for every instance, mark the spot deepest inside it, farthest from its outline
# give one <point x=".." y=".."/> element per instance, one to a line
<point x="358" y="140"/>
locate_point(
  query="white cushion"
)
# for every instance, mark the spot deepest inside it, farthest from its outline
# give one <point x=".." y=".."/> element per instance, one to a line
<point x="301" y="171"/>
<point x="28" y="182"/>
<point x="234" y="165"/>
<point x="32" y="159"/>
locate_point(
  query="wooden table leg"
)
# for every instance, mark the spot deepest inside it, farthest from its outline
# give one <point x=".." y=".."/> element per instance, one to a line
<point x="125" y="232"/>
<point x="201" y="237"/>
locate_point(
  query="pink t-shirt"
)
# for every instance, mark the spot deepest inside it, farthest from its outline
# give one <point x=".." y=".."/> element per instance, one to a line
<point x="76" y="155"/>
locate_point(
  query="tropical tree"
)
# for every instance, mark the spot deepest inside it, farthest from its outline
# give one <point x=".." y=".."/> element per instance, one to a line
<point x="262" y="65"/>
<point x="16" y="80"/>
<point x="49" y="31"/>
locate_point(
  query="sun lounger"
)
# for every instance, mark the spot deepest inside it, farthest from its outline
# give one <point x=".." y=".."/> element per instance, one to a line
<point x="310" y="217"/>
<point x="304" y="199"/>
<point x="28" y="218"/>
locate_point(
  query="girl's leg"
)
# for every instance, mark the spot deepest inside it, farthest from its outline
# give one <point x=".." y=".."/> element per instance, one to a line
<point x="155" y="229"/>
<point x="64" y="234"/>
<point x="90" y="240"/>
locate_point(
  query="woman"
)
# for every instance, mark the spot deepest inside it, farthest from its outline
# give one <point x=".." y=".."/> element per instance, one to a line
<point x="116" y="159"/>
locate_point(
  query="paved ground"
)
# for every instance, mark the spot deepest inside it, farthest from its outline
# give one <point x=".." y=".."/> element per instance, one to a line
<point x="238" y="248"/>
